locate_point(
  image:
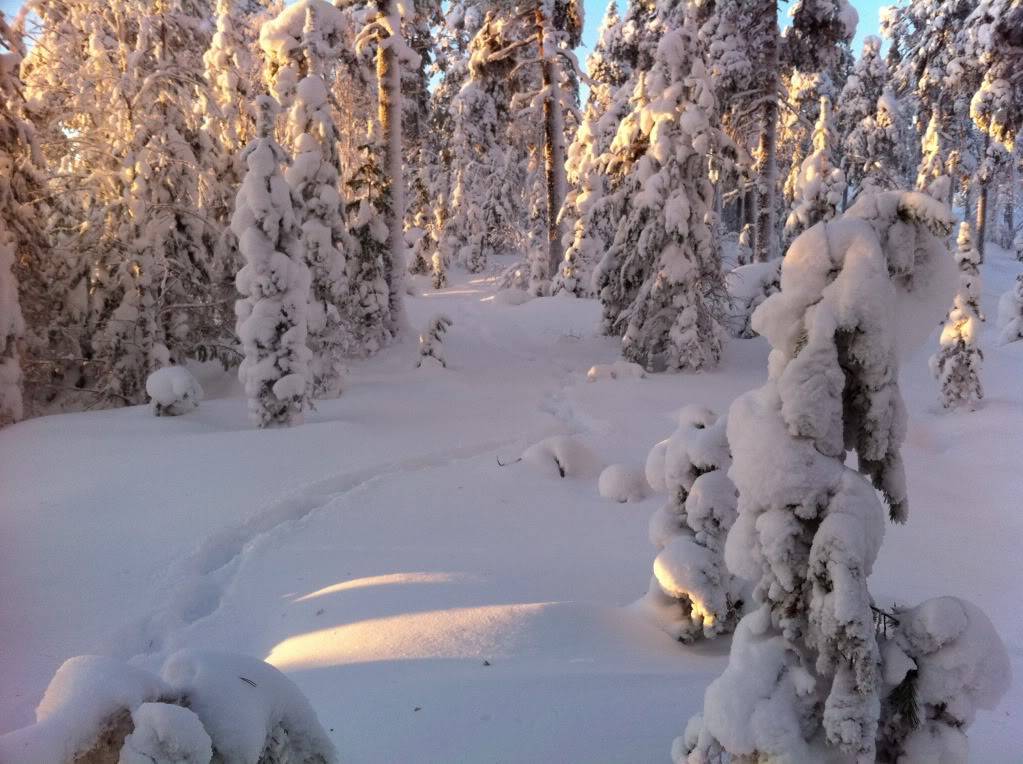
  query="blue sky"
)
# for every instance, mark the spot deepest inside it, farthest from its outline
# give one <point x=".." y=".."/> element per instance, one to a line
<point x="868" y="10"/>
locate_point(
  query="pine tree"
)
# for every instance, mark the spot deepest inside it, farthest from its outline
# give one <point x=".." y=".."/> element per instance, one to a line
<point x="932" y="177"/>
<point x="807" y="678"/>
<point x="859" y="103"/>
<point x="671" y="321"/>
<point x="995" y="37"/>
<point x="304" y="38"/>
<point x="957" y="364"/>
<point x="820" y="184"/>
<point x="274" y="283"/>
<point x="1010" y="313"/>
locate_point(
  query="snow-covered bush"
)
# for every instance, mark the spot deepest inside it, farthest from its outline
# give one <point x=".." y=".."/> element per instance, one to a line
<point x="957" y="363"/>
<point x="748" y="286"/>
<point x="803" y="682"/>
<point x="173" y="391"/>
<point x="231" y="708"/>
<point x="692" y="594"/>
<point x="616" y="370"/>
<point x="942" y="662"/>
<point x="1010" y="313"/>
<point x="1017" y="246"/>
<point x="166" y="734"/>
<point x="274" y="283"/>
<point x="563" y="456"/>
<point x="431" y="341"/>
<point x="622" y="483"/>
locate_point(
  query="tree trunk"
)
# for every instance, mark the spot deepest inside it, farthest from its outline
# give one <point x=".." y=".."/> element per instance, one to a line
<point x="553" y="150"/>
<point x="389" y="110"/>
<point x="982" y="196"/>
<point x="767" y="247"/>
<point x="1009" y="214"/>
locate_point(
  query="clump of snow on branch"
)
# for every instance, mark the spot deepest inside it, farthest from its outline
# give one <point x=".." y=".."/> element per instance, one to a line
<point x="431" y="340"/>
<point x="957" y="363"/>
<point x="692" y="594"/>
<point x="173" y="391"/>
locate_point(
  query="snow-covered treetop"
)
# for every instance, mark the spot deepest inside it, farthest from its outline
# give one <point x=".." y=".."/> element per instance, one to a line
<point x="818" y="28"/>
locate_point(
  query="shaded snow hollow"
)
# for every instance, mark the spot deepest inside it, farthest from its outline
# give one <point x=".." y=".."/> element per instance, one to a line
<point x="432" y="606"/>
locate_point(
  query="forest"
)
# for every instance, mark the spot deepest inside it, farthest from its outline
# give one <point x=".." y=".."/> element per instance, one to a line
<point x="353" y="253"/>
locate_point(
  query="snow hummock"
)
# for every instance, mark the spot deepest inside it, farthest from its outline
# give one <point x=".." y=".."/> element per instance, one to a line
<point x="616" y="370"/>
<point x="622" y="483"/>
<point x="563" y="456"/>
<point x="166" y="734"/>
<point x="173" y="390"/>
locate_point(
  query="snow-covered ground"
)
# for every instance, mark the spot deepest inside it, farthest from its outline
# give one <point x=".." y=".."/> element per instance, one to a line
<point x="434" y="606"/>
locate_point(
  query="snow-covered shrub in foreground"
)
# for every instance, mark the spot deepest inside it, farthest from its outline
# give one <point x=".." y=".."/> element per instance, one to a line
<point x="748" y="286"/>
<point x="228" y="708"/>
<point x="691" y="593"/>
<point x="563" y="456"/>
<point x="622" y="483"/>
<point x="173" y="391"/>
<point x="804" y="680"/>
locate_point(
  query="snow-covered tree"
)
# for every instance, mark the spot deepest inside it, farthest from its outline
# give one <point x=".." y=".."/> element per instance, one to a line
<point x="18" y="228"/>
<point x="857" y="104"/>
<point x="873" y="147"/>
<point x="692" y="594"/>
<point x="1010" y="313"/>
<point x="995" y="39"/>
<point x="932" y="176"/>
<point x="304" y="38"/>
<point x="957" y="363"/>
<point x="820" y="184"/>
<point x="274" y="283"/>
<point x="431" y="341"/>
<point x="809" y="678"/>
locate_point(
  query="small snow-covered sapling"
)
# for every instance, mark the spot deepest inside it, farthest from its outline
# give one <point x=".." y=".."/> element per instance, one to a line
<point x="431" y="341"/>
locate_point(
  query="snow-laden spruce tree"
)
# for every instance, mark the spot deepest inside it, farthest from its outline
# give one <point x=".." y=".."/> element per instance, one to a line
<point x="809" y="676"/>
<point x="994" y="32"/>
<point x="431" y="340"/>
<point x="820" y="184"/>
<point x="932" y="175"/>
<point x="874" y="145"/>
<point x="957" y="363"/>
<point x="858" y="103"/>
<point x="274" y="283"/>
<point x="311" y="32"/>
<point x="692" y="595"/>
<point x="477" y="226"/>
<point x="587" y="205"/>
<point x="671" y="322"/>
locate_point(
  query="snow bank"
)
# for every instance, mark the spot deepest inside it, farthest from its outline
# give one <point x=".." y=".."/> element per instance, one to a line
<point x="563" y="456"/>
<point x="173" y="391"/>
<point x="622" y="483"/>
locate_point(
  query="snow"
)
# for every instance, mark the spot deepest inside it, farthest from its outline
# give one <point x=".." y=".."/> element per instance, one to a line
<point x="173" y="390"/>
<point x="623" y="483"/>
<point x="166" y="734"/>
<point x="562" y="456"/>
<point x="378" y="556"/>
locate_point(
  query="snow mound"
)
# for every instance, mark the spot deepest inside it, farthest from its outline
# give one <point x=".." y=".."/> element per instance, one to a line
<point x="166" y="734"/>
<point x="563" y="456"/>
<point x="173" y="391"/>
<point x="622" y="483"/>
<point x="748" y="286"/>
<point x="251" y="710"/>
<point x="512" y="296"/>
<point x="88" y="698"/>
<point x="616" y="370"/>
<point x="240" y="708"/>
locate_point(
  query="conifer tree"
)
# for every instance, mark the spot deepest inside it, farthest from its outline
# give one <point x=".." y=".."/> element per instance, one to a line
<point x="858" y="103"/>
<point x="273" y="283"/>
<point x="957" y="363"/>
<point x="820" y="184"/>
<point x="809" y="677"/>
